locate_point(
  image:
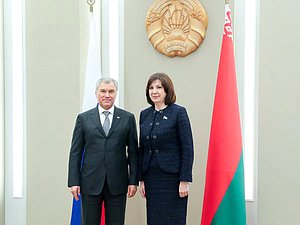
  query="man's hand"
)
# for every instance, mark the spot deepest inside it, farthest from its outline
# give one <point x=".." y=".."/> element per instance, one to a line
<point x="75" y="190"/>
<point x="131" y="190"/>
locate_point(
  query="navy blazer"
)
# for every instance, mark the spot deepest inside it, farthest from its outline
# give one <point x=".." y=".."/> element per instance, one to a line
<point x="166" y="133"/>
<point x="113" y="157"/>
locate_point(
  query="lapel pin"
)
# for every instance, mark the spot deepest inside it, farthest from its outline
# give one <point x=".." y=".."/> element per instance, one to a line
<point x="118" y="117"/>
<point x="165" y="118"/>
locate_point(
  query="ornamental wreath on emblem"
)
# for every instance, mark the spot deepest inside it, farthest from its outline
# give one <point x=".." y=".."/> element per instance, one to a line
<point x="176" y="27"/>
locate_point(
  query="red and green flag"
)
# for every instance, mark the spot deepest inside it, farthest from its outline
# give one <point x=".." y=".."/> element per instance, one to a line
<point x="224" y="195"/>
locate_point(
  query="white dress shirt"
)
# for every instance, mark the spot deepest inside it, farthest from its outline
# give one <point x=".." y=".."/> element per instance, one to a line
<point x="102" y="116"/>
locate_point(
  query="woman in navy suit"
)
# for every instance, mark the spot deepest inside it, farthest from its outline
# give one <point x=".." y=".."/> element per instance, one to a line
<point x="166" y="154"/>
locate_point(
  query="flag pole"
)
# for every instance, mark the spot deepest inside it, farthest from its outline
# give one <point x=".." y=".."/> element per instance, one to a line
<point x="91" y="3"/>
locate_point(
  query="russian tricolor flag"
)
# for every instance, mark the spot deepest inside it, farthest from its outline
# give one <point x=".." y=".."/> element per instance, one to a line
<point x="93" y="74"/>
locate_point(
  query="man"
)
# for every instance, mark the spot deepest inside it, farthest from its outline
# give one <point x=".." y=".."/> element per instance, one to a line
<point x="103" y="158"/>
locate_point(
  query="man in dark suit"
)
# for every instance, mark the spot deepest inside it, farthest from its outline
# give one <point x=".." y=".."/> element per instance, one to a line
<point x="103" y="160"/>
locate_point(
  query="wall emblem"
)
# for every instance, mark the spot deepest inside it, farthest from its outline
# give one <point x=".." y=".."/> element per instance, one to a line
<point x="176" y="27"/>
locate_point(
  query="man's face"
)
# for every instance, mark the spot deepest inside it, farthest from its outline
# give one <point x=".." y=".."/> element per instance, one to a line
<point x="106" y="95"/>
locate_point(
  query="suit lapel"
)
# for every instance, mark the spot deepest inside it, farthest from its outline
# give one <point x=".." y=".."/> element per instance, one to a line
<point x="96" y="120"/>
<point x="116" y="120"/>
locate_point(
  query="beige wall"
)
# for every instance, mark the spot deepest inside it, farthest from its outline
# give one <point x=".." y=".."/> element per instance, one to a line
<point x="279" y="110"/>
<point x="54" y="75"/>
<point x="52" y="39"/>
<point x="2" y="201"/>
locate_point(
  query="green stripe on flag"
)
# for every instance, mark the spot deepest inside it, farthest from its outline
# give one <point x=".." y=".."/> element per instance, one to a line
<point x="232" y="208"/>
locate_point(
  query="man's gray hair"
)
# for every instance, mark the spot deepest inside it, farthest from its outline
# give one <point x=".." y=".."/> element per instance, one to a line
<point x="106" y="80"/>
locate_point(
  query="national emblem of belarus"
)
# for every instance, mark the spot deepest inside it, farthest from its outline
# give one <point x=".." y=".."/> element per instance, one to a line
<point x="176" y="27"/>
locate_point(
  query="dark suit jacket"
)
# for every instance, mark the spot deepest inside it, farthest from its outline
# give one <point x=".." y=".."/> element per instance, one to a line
<point x="167" y="133"/>
<point x="113" y="157"/>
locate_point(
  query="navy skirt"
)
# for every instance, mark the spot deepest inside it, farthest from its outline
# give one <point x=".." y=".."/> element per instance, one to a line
<point x="164" y="205"/>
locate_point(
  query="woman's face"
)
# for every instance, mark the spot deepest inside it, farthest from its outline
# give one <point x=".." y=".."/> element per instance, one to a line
<point x="157" y="92"/>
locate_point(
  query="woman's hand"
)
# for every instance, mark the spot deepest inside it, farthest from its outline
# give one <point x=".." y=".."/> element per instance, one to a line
<point x="131" y="190"/>
<point x="183" y="189"/>
<point x="142" y="189"/>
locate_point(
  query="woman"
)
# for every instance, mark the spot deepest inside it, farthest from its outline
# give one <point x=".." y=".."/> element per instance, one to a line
<point x="166" y="154"/>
